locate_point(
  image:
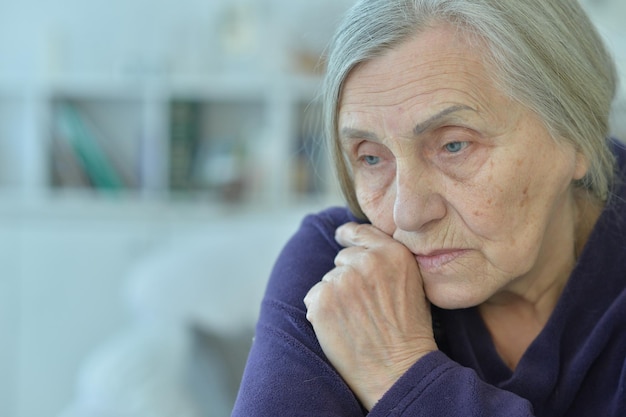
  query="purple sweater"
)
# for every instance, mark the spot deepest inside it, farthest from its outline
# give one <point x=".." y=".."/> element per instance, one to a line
<point x="576" y="366"/>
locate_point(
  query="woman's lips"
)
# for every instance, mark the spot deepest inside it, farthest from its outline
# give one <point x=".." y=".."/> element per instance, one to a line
<point x="437" y="259"/>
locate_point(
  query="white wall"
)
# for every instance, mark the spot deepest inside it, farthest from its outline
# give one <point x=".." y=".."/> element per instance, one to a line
<point x="43" y="37"/>
<point x="60" y="296"/>
<point x="610" y="18"/>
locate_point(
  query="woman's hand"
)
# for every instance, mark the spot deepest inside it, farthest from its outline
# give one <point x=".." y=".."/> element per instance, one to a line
<point x="370" y="313"/>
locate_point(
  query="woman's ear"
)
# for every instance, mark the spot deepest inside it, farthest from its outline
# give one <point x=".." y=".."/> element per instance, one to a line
<point x="582" y="166"/>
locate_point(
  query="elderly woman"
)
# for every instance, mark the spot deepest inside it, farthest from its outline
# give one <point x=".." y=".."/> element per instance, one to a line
<point x="480" y="269"/>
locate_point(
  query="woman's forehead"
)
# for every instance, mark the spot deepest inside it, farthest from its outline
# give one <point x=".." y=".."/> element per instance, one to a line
<point x="436" y="61"/>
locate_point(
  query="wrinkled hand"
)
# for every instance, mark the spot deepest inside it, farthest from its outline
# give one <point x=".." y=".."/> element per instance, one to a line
<point x="370" y="313"/>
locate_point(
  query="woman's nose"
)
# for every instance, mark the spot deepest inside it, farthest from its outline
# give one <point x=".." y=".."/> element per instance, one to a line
<point x="418" y="202"/>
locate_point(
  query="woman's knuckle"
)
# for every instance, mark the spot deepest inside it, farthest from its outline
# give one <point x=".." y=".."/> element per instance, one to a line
<point x="359" y="232"/>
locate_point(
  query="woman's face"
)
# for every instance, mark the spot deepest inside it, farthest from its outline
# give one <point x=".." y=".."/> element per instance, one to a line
<point x="469" y="180"/>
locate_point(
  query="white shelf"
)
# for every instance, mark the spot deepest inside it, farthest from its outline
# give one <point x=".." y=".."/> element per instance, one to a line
<point x="134" y="118"/>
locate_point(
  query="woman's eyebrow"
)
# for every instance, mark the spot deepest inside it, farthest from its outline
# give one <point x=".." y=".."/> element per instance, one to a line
<point x="424" y="126"/>
<point x="348" y="133"/>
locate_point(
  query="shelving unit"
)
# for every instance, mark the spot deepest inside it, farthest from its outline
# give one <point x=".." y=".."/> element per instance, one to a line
<point x="225" y="139"/>
<point x="69" y="246"/>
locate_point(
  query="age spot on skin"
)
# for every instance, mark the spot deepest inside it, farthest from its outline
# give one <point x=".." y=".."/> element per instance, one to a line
<point x="525" y="198"/>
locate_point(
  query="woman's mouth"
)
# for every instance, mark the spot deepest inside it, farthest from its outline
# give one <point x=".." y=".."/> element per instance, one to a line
<point x="436" y="260"/>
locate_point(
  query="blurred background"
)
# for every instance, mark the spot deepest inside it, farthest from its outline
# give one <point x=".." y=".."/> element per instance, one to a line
<point x="154" y="157"/>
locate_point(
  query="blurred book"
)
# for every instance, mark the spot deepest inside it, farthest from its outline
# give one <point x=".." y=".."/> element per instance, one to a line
<point x="75" y="134"/>
<point x="184" y="140"/>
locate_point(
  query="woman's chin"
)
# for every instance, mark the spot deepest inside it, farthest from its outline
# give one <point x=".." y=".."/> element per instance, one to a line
<point x="453" y="298"/>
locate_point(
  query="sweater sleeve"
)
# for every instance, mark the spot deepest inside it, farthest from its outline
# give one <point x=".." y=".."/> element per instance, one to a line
<point x="436" y="386"/>
<point x="287" y="372"/>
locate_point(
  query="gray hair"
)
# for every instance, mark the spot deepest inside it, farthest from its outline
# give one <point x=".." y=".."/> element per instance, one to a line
<point x="547" y="55"/>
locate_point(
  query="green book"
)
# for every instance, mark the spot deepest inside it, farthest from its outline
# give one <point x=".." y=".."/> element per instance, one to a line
<point x="184" y="139"/>
<point x="72" y="127"/>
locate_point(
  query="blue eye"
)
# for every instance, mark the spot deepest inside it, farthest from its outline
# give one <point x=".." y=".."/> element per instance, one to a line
<point x="455" y="147"/>
<point x="371" y="159"/>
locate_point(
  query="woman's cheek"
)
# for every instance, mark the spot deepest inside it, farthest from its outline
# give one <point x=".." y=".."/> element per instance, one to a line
<point x="376" y="198"/>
